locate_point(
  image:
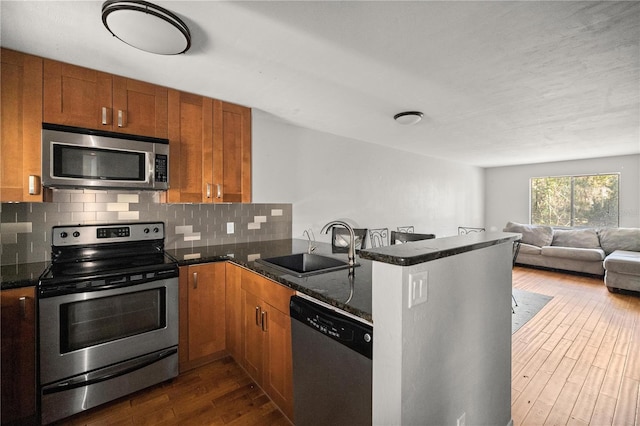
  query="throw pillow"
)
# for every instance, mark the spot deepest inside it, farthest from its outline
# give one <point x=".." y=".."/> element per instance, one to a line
<point x="579" y="238"/>
<point x="536" y="235"/>
<point x="612" y="239"/>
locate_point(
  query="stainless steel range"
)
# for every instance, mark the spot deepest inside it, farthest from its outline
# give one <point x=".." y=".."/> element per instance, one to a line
<point x="108" y="316"/>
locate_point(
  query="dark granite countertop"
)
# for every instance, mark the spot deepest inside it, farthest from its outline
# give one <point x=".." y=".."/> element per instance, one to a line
<point x="428" y="250"/>
<point x="21" y="275"/>
<point x="349" y="292"/>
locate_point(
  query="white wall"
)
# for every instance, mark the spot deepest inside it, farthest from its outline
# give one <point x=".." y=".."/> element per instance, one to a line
<point x="450" y="356"/>
<point x="507" y="188"/>
<point x="328" y="177"/>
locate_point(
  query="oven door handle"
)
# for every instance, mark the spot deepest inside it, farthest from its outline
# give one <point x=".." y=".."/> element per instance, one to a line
<point x="108" y="373"/>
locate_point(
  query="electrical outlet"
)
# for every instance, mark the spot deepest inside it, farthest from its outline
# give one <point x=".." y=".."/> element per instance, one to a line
<point x="230" y="228"/>
<point x="418" y="288"/>
<point x="462" y="420"/>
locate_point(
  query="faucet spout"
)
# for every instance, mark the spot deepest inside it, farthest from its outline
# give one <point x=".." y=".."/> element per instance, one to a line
<point x="352" y="238"/>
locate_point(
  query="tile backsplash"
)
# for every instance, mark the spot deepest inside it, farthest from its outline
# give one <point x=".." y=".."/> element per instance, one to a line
<point x="25" y="228"/>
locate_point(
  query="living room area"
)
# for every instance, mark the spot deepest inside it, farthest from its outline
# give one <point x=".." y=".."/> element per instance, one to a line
<point x="577" y="360"/>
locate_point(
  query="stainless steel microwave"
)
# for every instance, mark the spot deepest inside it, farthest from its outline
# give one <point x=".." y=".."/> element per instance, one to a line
<point x="73" y="157"/>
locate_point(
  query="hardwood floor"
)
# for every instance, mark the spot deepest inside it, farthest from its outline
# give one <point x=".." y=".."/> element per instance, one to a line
<point x="220" y="393"/>
<point x="577" y="362"/>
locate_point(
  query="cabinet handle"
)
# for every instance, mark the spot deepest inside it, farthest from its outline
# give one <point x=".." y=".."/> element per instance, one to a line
<point x="23" y="307"/>
<point x="34" y="185"/>
<point x="208" y="190"/>
<point x="263" y="319"/>
<point x="218" y="191"/>
<point x="121" y="118"/>
<point x="195" y="280"/>
<point x="105" y="120"/>
<point x="258" y="318"/>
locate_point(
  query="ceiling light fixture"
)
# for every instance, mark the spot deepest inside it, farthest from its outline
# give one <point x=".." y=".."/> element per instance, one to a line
<point x="408" y="117"/>
<point x="146" y="26"/>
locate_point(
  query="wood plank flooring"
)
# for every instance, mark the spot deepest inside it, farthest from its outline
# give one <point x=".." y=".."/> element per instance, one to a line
<point x="220" y="393"/>
<point x="577" y="362"/>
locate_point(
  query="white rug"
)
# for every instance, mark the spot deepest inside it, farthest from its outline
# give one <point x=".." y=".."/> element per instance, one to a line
<point x="529" y="304"/>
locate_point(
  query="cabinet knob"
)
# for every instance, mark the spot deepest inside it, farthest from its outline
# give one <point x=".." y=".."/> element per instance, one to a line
<point x="263" y="320"/>
<point x="105" y="116"/>
<point x="34" y="185"/>
<point x="258" y="317"/>
<point x="218" y="190"/>
<point x="121" y="118"/>
<point x="208" y="190"/>
<point x="23" y="307"/>
<point x="195" y="280"/>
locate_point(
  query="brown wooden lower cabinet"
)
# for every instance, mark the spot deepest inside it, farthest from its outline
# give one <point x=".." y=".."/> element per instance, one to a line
<point x="202" y="314"/>
<point x="18" y="356"/>
<point x="257" y="327"/>
<point x="266" y="349"/>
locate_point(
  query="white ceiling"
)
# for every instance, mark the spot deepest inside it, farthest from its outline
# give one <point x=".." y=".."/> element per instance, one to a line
<point x="499" y="82"/>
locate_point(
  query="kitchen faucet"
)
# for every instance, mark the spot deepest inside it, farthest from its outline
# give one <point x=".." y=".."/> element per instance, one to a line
<point x="352" y="238"/>
<point x="311" y="247"/>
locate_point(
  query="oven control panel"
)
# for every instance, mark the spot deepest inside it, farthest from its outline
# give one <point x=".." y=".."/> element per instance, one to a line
<point x="94" y="234"/>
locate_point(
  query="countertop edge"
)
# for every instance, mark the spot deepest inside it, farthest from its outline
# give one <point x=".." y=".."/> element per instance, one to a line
<point x="427" y="250"/>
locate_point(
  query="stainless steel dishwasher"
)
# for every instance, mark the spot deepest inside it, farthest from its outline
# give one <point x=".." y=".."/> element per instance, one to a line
<point x="332" y="367"/>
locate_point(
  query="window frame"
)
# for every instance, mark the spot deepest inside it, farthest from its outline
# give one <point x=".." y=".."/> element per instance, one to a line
<point x="572" y="176"/>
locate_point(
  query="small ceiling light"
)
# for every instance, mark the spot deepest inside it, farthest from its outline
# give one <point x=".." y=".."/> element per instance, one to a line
<point x="146" y="26"/>
<point x="408" y="117"/>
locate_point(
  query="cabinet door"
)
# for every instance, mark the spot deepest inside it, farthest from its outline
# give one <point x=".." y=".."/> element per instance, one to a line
<point x="139" y="108"/>
<point x="191" y="147"/>
<point x="267" y="352"/>
<point x="233" y="310"/>
<point x="252" y="353"/>
<point x="18" y="354"/>
<point x="77" y="96"/>
<point x="232" y="153"/>
<point x="278" y="369"/>
<point x="20" y="140"/>
<point x="206" y="309"/>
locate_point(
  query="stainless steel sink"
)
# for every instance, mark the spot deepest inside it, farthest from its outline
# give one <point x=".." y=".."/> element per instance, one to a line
<point x="305" y="264"/>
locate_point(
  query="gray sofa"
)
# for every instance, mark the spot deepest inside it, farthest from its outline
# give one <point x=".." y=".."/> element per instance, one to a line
<point x="612" y="252"/>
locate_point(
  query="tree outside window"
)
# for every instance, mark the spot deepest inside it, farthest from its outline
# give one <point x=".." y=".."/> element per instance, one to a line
<point x="580" y="201"/>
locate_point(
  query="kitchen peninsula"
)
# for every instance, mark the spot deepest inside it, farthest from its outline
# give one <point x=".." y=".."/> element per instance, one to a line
<point x="434" y="360"/>
<point x="442" y="347"/>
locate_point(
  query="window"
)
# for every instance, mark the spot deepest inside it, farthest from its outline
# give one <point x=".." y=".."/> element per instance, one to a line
<point x="590" y="200"/>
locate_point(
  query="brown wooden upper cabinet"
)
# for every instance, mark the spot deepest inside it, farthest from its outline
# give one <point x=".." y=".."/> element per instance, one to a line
<point x="82" y="97"/>
<point x="20" y="140"/>
<point x="210" y="142"/>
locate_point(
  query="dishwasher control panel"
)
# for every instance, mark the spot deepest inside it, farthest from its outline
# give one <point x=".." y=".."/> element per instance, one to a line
<point x="351" y="333"/>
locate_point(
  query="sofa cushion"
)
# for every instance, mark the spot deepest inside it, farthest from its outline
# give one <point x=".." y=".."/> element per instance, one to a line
<point x="529" y="249"/>
<point x="595" y="255"/>
<point x="623" y="262"/>
<point x="580" y="238"/>
<point x="612" y="239"/>
<point x="535" y="235"/>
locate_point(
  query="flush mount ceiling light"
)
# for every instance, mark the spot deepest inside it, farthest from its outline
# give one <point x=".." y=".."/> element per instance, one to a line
<point x="146" y="26"/>
<point x="408" y="117"/>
